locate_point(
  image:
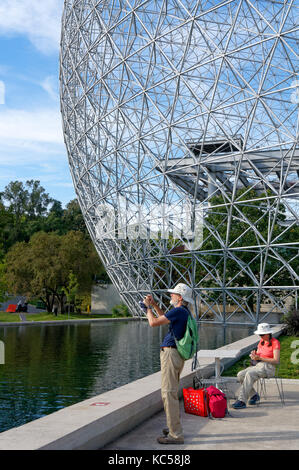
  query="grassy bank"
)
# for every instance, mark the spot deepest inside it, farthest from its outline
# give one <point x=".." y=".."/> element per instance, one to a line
<point x="287" y="368"/>
<point x="9" y="317"/>
<point x="43" y="316"/>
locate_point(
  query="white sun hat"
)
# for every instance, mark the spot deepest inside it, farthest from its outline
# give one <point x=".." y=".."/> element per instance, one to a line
<point x="183" y="290"/>
<point x="263" y="329"/>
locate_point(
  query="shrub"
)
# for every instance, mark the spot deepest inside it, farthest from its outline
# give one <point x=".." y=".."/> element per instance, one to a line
<point x="120" y="310"/>
<point x="83" y="302"/>
<point x="292" y="323"/>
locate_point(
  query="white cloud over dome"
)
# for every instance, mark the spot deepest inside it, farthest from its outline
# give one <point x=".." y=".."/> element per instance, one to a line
<point x="43" y="125"/>
<point x="39" y="20"/>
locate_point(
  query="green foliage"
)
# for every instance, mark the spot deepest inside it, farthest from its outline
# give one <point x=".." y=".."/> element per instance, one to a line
<point x="84" y="302"/>
<point x="37" y="317"/>
<point x="252" y="220"/>
<point x="27" y="205"/>
<point x="3" y="286"/>
<point x="73" y="218"/>
<point x="292" y="322"/>
<point x="41" y="267"/>
<point x="6" y="229"/>
<point x="42" y="243"/>
<point x="9" y="317"/>
<point x="71" y="289"/>
<point x="253" y="217"/>
<point x="120" y="310"/>
<point x="26" y="209"/>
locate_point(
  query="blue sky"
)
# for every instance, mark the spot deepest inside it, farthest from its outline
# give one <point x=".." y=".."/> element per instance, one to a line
<point x="31" y="141"/>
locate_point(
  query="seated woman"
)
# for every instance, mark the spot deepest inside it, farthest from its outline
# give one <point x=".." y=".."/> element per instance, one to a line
<point x="266" y="358"/>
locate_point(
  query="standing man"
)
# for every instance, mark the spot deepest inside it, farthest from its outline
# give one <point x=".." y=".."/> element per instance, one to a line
<point x="171" y="362"/>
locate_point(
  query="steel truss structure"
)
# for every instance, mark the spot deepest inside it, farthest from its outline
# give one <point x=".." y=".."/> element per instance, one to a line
<point x="175" y="108"/>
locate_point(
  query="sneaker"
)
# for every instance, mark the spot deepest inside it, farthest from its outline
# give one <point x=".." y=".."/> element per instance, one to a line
<point x="253" y="400"/>
<point x="238" y="405"/>
<point x="170" y="440"/>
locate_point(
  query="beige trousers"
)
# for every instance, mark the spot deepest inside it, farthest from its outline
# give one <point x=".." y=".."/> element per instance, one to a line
<point x="171" y="367"/>
<point x="249" y="376"/>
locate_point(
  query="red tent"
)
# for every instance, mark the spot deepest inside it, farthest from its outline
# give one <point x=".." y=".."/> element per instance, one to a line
<point x="11" y="308"/>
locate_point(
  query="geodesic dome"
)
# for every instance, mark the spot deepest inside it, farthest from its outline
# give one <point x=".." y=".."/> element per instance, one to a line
<point x="181" y="125"/>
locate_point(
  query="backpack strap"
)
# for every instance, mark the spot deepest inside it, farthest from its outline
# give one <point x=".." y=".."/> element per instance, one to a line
<point x="170" y="326"/>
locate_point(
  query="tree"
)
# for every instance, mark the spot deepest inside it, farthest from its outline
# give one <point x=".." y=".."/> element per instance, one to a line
<point x="73" y="218"/>
<point x="41" y="267"/>
<point x="37" y="200"/>
<point x="235" y="255"/>
<point x="30" y="268"/>
<point x="54" y="222"/>
<point x="27" y="205"/>
<point x="3" y="286"/>
<point x="26" y="208"/>
<point x="255" y="221"/>
<point x="71" y="290"/>
<point x="17" y="197"/>
<point x="6" y="233"/>
<point x="30" y="200"/>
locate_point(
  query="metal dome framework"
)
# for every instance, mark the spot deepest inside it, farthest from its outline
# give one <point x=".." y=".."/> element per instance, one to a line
<point x="181" y="125"/>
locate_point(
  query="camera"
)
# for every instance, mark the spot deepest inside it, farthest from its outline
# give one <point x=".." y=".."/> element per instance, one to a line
<point x="143" y="306"/>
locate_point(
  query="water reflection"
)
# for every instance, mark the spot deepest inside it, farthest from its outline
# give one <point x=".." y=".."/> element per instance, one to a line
<point x="48" y="367"/>
<point x="212" y="336"/>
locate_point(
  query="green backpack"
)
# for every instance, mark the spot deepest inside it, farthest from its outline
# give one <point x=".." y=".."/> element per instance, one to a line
<point x="187" y="346"/>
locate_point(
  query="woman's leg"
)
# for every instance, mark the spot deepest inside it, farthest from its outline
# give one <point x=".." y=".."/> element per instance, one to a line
<point x="248" y="377"/>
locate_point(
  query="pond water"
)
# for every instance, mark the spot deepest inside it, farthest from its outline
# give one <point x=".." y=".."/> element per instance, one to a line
<point x="49" y="367"/>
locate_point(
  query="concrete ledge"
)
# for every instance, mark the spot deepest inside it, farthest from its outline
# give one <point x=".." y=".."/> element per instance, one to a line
<point x="85" y="426"/>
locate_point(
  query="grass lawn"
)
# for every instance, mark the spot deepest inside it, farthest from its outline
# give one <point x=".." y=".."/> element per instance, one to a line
<point x="287" y="369"/>
<point x="44" y="316"/>
<point x="7" y="317"/>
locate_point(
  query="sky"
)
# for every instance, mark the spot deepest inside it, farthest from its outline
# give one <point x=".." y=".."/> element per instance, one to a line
<point x="31" y="139"/>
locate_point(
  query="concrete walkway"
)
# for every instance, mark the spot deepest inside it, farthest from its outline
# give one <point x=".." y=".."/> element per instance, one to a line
<point x="268" y="426"/>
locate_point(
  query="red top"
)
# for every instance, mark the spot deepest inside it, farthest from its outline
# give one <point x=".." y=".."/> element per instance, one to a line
<point x="266" y="350"/>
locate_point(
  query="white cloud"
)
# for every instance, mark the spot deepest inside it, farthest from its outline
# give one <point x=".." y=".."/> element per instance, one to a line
<point x="2" y="92"/>
<point x="37" y="126"/>
<point x="39" y="20"/>
<point x="50" y="85"/>
<point x="31" y="140"/>
<point x="31" y="147"/>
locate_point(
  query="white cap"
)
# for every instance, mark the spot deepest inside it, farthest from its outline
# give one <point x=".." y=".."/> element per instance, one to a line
<point x="263" y="329"/>
<point x="183" y="290"/>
